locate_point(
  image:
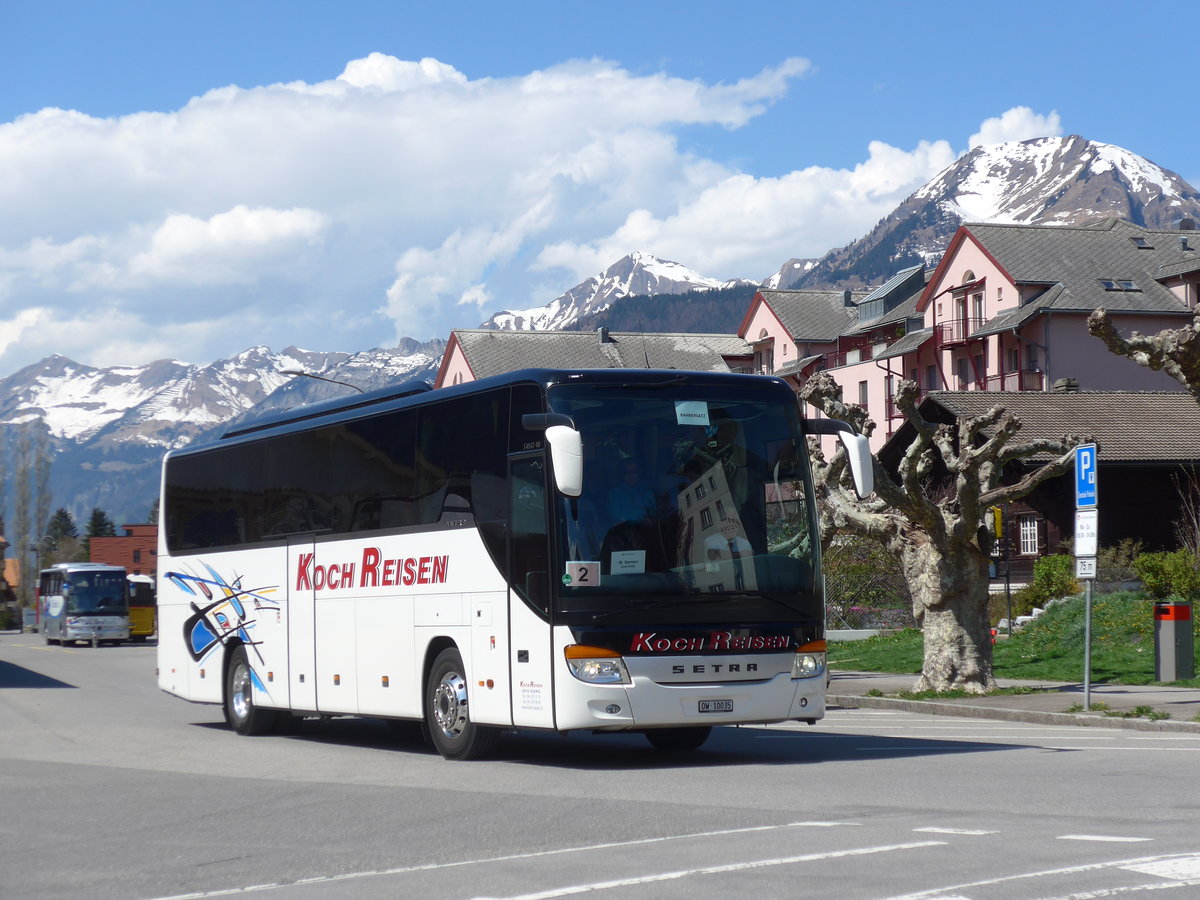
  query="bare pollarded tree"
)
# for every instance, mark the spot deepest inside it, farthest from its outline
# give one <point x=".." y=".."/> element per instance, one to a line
<point x="1175" y="351"/>
<point x="931" y="517"/>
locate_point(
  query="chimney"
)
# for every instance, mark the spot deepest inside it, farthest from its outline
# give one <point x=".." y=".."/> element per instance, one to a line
<point x="1066" y="386"/>
<point x="846" y="301"/>
<point x="602" y="333"/>
<point x="1183" y="243"/>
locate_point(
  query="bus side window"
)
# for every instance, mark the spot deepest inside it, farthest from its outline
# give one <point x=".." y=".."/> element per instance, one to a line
<point x="529" y="543"/>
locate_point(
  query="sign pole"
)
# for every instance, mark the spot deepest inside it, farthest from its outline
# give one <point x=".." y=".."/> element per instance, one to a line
<point x="1087" y="545"/>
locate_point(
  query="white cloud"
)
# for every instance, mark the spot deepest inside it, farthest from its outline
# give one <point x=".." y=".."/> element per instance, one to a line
<point x="235" y="247"/>
<point x="1017" y="124"/>
<point x="743" y="226"/>
<point x="394" y="200"/>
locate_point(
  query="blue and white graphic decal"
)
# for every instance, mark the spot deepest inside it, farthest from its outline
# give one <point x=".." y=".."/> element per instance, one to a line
<point x="228" y="610"/>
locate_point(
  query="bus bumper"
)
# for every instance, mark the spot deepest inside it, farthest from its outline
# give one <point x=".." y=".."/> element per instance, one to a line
<point x="648" y="704"/>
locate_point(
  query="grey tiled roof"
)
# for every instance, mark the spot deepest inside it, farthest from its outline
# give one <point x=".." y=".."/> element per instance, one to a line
<point x="492" y="352"/>
<point x="1078" y="257"/>
<point x="814" y="316"/>
<point x="906" y="344"/>
<point x="1128" y="426"/>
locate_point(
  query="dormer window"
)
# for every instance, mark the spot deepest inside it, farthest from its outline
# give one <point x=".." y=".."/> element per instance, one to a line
<point x="1118" y="284"/>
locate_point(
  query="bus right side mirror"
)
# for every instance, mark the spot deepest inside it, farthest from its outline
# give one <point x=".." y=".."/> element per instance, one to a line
<point x="566" y="454"/>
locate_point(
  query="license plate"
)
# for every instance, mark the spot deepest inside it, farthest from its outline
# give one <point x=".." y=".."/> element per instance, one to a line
<point x="716" y="706"/>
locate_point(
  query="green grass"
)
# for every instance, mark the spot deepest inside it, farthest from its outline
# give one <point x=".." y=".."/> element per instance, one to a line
<point x="1049" y="648"/>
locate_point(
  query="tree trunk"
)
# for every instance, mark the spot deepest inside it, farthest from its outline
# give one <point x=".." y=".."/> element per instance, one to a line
<point x="950" y="601"/>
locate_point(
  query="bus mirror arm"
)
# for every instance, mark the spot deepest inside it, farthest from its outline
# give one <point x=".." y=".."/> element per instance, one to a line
<point x="858" y="451"/>
<point x="542" y="421"/>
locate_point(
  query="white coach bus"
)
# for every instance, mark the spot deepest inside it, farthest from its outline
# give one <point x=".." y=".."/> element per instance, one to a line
<point x="610" y="550"/>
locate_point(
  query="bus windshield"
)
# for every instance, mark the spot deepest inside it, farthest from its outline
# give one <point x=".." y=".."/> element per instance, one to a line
<point x="101" y="593"/>
<point x="694" y="502"/>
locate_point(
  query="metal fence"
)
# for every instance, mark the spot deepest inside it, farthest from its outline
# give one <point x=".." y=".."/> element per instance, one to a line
<point x="865" y="587"/>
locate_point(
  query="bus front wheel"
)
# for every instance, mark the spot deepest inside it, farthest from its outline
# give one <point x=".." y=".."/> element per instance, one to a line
<point x="240" y="712"/>
<point x="446" y="710"/>
<point x="678" y="740"/>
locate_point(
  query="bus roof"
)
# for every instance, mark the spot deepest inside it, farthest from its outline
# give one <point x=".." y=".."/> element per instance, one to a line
<point x="81" y="566"/>
<point x="415" y="393"/>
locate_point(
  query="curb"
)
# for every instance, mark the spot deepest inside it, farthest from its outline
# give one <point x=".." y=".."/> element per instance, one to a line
<point x="967" y="711"/>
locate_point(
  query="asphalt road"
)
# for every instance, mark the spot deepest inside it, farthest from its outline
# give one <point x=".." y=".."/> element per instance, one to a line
<point x="110" y="789"/>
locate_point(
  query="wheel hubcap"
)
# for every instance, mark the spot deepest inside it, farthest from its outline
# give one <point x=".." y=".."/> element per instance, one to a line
<point x="239" y="699"/>
<point x="450" y="704"/>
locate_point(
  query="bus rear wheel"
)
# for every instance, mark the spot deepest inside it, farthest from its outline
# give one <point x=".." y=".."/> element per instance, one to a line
<point x="446" y="710"/>
<point x="678" y="740"/>
<point x="240" y="712"/>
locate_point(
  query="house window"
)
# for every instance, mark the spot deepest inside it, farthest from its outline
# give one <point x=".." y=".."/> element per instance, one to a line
<point x="977" y="307"/>
<point x="1118" y="284"/>
<point x="137" y="556"/>
<point x="706" y="518"/>
<point x="721" y="511"/>
<point x="1014" y="362"/>
<point x="862" y="394"/>
<point x="1028" y="534"/>
<point x="931" y="378"/>
<point x="964" y="373"/>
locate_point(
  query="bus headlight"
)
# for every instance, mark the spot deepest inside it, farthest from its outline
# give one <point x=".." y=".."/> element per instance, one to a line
<point x="596" y="665"/>
<point x="808" y="665"/>
<point x="809" y="660"/>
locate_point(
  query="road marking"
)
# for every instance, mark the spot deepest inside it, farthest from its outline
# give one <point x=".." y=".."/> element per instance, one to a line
<point x="1112" y="839"/>
<point x="1182" y="859"/>
<point x="713" y="870"/>
<point x="966" y="831"/>
<point x="429" y="867"/>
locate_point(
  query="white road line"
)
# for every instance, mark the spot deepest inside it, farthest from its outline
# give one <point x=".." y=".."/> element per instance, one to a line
<point x="965" y="831"/>
<point x="712" y="870"/>
<point x="1111" y="839"/>
<point x="944" y="892"/>
<point x="349" y="876"/>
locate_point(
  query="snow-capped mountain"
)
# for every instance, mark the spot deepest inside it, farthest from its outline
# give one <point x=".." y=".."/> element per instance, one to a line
<point x="108" y="427"/>
<point x="1045" y="181"/>
<point x="789" y="273"/>
<point x="636" y="275"/>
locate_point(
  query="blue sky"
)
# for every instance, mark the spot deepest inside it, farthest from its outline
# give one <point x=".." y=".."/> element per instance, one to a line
<point x="195" y="178"/>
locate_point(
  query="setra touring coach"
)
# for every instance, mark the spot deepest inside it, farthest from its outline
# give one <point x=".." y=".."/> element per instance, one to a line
<point x="608" y="550"/>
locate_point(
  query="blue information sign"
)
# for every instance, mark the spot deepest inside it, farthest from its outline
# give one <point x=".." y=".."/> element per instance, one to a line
<point x="1085" y="476"/>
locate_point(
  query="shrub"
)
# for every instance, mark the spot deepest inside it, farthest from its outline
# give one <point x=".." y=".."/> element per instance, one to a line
<point x="1054" y="577"/>
<point x="1174" y="572"/>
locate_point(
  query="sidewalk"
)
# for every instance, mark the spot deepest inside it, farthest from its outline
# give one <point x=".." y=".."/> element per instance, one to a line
<point x="1047" y="706"/>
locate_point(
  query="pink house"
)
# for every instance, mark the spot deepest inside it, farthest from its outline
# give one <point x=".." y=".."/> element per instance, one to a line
<point x="1006" y="310"/>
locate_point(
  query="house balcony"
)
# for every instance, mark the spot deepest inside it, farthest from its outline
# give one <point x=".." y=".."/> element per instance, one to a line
<point x="845" y="358"/>
<point x="955" y="331"/>
<point x="1025" y="380"/>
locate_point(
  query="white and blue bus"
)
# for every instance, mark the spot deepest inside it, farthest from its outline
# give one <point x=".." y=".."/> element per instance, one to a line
<point x="609" y="550"/>
<point x="83" y="601"/>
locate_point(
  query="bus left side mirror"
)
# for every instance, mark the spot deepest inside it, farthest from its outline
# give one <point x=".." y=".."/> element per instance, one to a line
<point x="566" y="454"/>
<point x="858" y="454"/>
<point x="858" y="451"/>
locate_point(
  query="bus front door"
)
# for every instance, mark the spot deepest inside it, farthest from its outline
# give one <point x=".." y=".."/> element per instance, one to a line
<point x="531" y="656"/>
